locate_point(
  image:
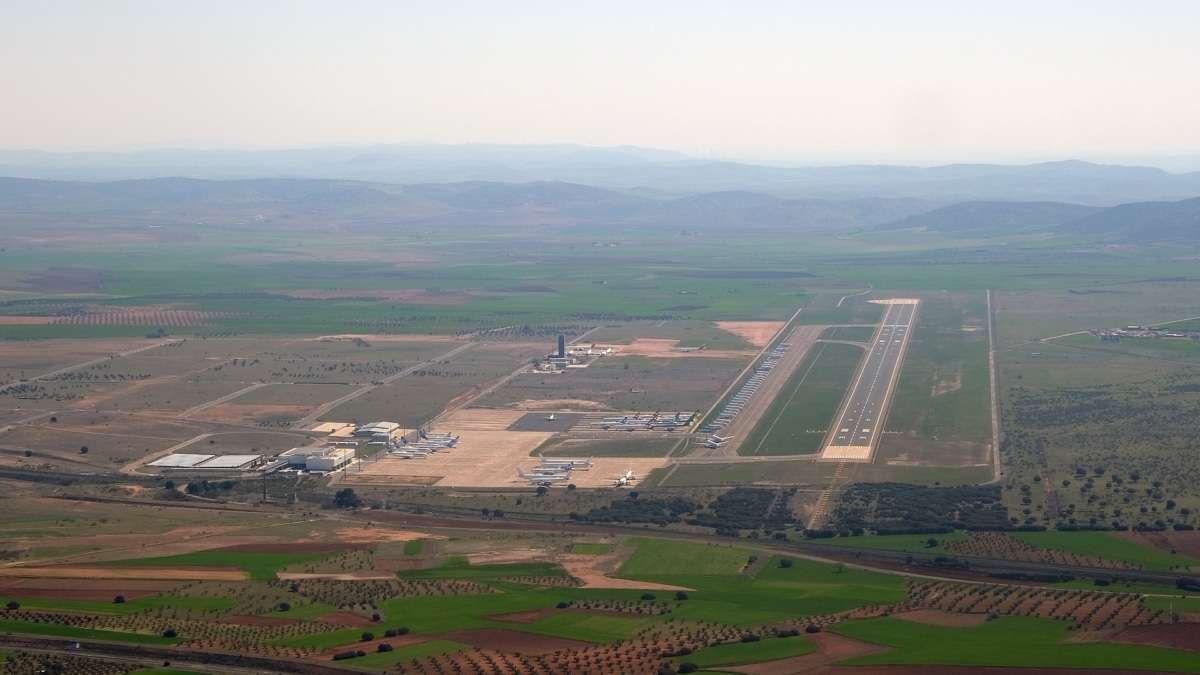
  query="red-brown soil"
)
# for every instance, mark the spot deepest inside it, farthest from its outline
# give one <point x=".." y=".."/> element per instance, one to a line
<point x="513" y="641"/>
<point x="251" y="620"/>
<point x="1185" y="636"/>
<point x="82" y="589"/>
<point x="346" y="619"/>
<point x="966" y="670"/>
<point x="1184" y="543"/>
<point x="831" y="648"/>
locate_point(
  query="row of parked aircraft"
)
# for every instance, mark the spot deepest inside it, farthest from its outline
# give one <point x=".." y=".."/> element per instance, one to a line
<point x="653" y="422"/>
<point x="420" y="449"/>
<point x="548" y="475"/>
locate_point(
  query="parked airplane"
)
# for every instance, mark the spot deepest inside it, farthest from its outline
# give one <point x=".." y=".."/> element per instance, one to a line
<point x="626" y="479"/>
<point x="550" y="418"/>
<point x="567" y="463"/>
<point x="543" y="478"/>
<point x="720" y="439"/>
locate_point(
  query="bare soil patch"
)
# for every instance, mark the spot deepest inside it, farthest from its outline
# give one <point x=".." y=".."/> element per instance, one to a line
<point x="962" y="670"/>
<point x="513" y="641"/>
<point x="26" y="320"/>
<point x="1184" y="543"/>
<point x="82" y="589"/>
<point x="346" y="619"/>
<point x="376" y="534"/>
<point x="1185" y="636"/>
<point x="152" y="573"/>
<point x="238" y="413"/>
<point x="937" y="617"/>
<point x="590" y="569"/>
<point x="831" y="648"/>
<point x="250" y="620"/>
<point x="508" y="556"/>
<point x="757" y="333"/>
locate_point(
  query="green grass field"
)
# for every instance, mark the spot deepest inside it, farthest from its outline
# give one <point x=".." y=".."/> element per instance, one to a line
<point x="1107" y="546"/>
<point x="796" y="421"/>
<point x="459" y="568"/>
<point x="767" y="649"/>
<point x="995" y="643"/>
<point x="658" y="557"/>
<point x="259" y="566"/>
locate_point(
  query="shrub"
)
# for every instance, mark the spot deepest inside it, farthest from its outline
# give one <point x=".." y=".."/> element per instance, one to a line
<point x="810" y="629"/>
<point x="284" y="606"/>
<point x="119" y="600"/>
<point x="751" y="637"/>
<point x="384" y="647"/>
<point x="681" y="595"/>
<point x="368" y="636"/>
<point x="785" y="563"/>
<point x="688" y="667"/>
<point x="13" y="604"/>
<point x="83" y="450"/>
<point x="376" y="617"/>
<point x="647" y="596"/>
<point x="170" y="633"/>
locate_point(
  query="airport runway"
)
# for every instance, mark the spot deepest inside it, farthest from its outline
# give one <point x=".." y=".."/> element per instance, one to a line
<point x="860" y="421"/>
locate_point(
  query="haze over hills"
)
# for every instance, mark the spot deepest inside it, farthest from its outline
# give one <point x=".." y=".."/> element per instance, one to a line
<point x="168" y="201"/>
<point x="626" y="169"/>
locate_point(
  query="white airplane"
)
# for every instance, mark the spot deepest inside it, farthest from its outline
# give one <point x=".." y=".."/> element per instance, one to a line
<point x="719" y="439"/>
<point x="626" y="479"/>
<point x="550" y="418"/>
<point x="566" y="464"/>
<point x="543" y="478"/>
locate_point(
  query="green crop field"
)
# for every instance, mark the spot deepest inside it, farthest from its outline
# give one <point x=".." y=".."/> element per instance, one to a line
<point x="657" y="557"/>
<point x="459" y="568"/>
<point x="259" y="566"/>
<point x="767" y="649"/>
<point x="993" y="644"/>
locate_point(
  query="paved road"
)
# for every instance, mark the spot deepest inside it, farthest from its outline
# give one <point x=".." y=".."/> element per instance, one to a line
<point x="860" y="421"/>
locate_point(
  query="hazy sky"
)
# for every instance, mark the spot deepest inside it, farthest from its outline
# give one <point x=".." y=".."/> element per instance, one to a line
<point x="837" y="80"/>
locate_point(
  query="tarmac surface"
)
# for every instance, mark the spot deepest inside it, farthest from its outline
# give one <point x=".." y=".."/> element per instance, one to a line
<point x="860" y="421"/>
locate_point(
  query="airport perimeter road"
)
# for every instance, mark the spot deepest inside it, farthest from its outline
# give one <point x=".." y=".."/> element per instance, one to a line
<point x="802" y="338"/>
<point x="860" y="420"/>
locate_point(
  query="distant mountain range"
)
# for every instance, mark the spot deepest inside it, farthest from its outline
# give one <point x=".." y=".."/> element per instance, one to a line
<point x="1139" y="222"/>
<point x="382" y="206"/>
<point x="627" y="169"/>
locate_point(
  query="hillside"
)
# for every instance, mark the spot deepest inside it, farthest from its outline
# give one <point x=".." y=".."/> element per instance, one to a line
<point x="1142" y="223"/>
<point x="623" y="169"/>
<point x="994" y="219"/>
<point x="163" y="201"/>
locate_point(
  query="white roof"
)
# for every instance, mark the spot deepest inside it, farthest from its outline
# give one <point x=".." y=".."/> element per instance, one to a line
<point x="180" y="460"/>
<point x="229" y="461"/>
